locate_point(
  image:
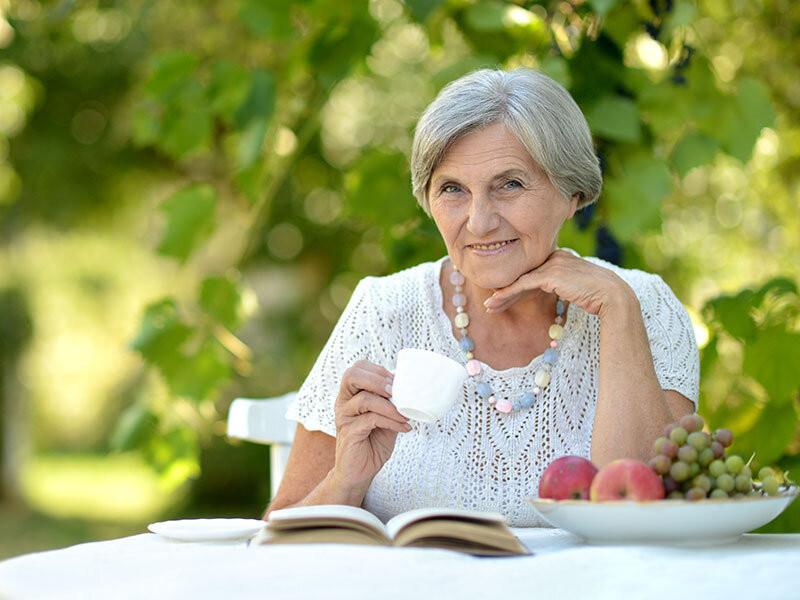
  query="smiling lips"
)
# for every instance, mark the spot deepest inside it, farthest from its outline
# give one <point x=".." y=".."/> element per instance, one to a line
<point x="492" y="246"/>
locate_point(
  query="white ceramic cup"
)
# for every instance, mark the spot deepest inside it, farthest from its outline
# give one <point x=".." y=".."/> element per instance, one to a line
<point x="426" y="384"/>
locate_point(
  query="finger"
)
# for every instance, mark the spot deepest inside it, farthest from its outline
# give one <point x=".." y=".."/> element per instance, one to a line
<point x="364" y="424"/>
<point x="369" y="377"/>
<point x="364" y="402"/>
<point x="528" y="281"/>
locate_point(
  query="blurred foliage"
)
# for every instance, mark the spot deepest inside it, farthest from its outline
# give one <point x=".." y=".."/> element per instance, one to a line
<point x="260" y="150"/>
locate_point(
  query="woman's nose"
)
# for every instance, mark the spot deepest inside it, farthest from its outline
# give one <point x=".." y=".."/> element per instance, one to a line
<point x="482" y="218"/>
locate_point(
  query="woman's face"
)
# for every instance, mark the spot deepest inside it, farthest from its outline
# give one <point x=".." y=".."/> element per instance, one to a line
<point x="488" y="190"/>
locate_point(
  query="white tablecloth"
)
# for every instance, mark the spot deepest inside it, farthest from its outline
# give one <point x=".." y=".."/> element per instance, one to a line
<point x="149" y="567"/>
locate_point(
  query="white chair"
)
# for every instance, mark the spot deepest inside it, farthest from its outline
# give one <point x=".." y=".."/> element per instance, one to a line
<point x="262" y="421"/>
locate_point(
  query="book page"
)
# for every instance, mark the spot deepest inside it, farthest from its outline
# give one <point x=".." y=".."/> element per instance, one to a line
<point x="400" y="521"/>
<point x="327" y="511"/>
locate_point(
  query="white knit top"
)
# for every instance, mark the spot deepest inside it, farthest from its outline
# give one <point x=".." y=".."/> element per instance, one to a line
<point x="476" y="457"/>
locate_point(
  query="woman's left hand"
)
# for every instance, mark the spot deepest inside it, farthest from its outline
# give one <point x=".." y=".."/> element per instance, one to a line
<point x="580" y="282"/>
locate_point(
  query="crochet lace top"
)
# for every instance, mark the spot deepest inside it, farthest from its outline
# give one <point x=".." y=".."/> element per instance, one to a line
<point x="476" y="457"/>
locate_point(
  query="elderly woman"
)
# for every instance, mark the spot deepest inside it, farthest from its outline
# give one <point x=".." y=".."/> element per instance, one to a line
<point x="566" y="354"/>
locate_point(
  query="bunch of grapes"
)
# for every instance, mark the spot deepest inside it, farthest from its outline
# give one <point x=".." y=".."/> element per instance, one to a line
<point x="695" y="465"/>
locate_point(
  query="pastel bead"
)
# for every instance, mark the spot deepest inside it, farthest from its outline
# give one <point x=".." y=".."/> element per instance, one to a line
<point x="550" y="356"/>
<point x="554" y="344"/>
<point x="526" y="400"/>
<point x="503" y="405"/>
<point x="560" y="320"/>
<point x="537" y="390"/>
<point x="542" y="378"/>
<point x="492" y="400"/>
<point x="484" y="389"/>
<point x="515" y="405"/>
<point x="456" y="278"/>
<point x="459" y="300"/>
<point x="466" y="343"/>
<point x="469" y="355"/>
<point x="560" y="307"/>
<point x="462" y="320"/>
<point x="463" y="331"/>
<point x="555" y="332"/>
<point x="473" y="367"/>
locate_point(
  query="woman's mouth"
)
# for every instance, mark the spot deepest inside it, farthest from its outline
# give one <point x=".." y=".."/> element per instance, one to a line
<point x="491" y="249"/>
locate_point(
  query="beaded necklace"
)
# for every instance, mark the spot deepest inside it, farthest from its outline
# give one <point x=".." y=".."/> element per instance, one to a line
<point x="474" y="367"/>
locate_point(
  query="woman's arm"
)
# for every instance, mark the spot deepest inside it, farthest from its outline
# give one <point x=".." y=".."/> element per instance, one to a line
<point x="309" y="476"/>
<point x="632" y="409"/>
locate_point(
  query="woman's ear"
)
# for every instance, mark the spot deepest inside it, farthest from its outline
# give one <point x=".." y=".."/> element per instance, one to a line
<point x="573" y="204"/>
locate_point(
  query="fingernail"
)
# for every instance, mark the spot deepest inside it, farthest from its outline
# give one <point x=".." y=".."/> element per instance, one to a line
<point x="388" y="388"/>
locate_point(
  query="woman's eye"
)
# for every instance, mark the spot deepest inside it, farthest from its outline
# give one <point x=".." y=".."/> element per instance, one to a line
<point x="511" y="184"/>
<point x="449" y="188"/>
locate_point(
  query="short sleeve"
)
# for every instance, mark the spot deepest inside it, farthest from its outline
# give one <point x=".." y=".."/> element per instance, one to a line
<point x="672" y="340"/>
<point x="349" y="342"/>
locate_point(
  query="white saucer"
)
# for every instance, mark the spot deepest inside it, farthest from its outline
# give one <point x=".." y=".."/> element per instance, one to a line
<point x="206" y="530"/>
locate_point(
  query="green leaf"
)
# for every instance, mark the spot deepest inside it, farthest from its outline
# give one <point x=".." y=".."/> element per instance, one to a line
<point x="228" y="89"/>
<point x="220" y="299"/>
<point x="615" y="118"/>
<point x="200" y="372"/>
<point x="741" y="121"/>
<point x="185" y="132"/>
<point x="169" y="72"/>
<point x="134" y="428"/>
<point x="270" y="19"/>
<point x="634" y="196"/>
<point x="190" y="220"/>
<point x="773" y="359"/>
<point x="341" y="47"/>
<point x="557" y="68"/>
<point x="174" y="455"/>
<point x="260" y="102"/>
<point x="486" y="16"/>
<point x="420" y="10"/>
<point x="692" y="150"/>
<point x="377" y="189"/>
<point x="770" y="435"/>
<point x="161" y="334"/>
<point x="603" y="7"/>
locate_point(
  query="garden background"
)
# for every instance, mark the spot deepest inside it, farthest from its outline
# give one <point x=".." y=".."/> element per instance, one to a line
<point x="189" y="193"/>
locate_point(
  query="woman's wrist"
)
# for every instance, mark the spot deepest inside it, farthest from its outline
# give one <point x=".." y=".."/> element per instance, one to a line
<point x="344" y="491"/>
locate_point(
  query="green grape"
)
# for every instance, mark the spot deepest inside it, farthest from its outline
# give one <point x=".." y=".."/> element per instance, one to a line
<point x="743" y="483"/>
<point x="725" y="482"/>
<point x="680" y="471"/>
<point x="693" y="422"/>
<point x="734" y="464"/>
<point x="661" y="464"/>
<point x="695" y="494"/>
<point x="687" y="454"/>
<point x="718" y="493"/>
<point x="717" y="468"/>
<point x="658" y="445"/>
<point x="702" y="481"/>
<point x="765" y="472"/>
<point x="746" y="472"/>
<point x="698" y="440"/>
<point x="675" y="495"/>
<point x="678" y="435"/>
<point x="724" y="437"/>
<point x="694" y="469"/>
<point x="706" y="457"/>
<point x="771" y="485"/>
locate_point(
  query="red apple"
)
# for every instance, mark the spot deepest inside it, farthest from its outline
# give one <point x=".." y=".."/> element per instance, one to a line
<point x="567" y="478"/>
<point x="627" y="479"/>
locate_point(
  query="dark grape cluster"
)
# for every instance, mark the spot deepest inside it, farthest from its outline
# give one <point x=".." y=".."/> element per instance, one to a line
<point x="695" y="465"/>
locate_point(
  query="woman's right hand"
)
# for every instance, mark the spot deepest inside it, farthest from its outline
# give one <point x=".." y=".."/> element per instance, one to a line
<point x="367" y="424"/>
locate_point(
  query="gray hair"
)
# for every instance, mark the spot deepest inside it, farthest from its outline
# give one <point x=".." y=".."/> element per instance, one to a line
<point x="537" y="109"/>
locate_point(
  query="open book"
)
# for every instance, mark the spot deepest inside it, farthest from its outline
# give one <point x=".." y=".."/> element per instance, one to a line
<point x="476" y="533"/>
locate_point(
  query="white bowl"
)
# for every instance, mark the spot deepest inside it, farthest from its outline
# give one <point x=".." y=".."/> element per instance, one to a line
<point x="672" y="522"/>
